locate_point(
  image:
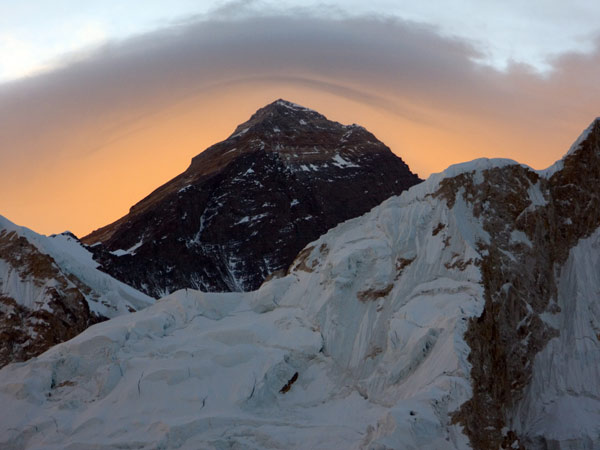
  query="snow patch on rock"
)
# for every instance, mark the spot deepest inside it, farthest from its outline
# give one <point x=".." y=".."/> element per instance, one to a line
<point x="109" y="297"/>
<point x="561" y="405"/>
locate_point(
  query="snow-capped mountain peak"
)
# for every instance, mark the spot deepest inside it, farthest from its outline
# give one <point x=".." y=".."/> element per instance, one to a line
<point x="247" y="205"/>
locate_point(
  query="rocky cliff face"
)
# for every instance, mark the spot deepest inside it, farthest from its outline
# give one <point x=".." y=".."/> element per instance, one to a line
<point x="534" y="221"/>
<point x="246" y="206"/>
<point x="50" y="291"/>
<point x="54" y="312"/>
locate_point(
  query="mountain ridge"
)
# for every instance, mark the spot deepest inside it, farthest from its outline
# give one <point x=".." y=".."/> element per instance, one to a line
<point x="50" y="290"/>
<point x="287" y="174"/>
<point x="459" y="314"/>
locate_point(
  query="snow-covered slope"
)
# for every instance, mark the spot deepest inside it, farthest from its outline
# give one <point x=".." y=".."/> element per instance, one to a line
<point x="460" y="314"/>
<point x="50" y="290"/>
<point x="370" y="319"/>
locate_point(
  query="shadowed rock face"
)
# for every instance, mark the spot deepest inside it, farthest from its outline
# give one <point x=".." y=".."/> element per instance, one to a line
<point x="529" y="241"/>
<point x="51" y="307"/>
<point x="246" y="206"/>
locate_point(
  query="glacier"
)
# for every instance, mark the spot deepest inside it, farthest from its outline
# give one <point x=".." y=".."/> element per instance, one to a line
<point x="370" y="317"/>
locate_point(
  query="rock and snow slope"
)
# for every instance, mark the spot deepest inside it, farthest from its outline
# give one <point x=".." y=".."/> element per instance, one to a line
<point x="370" y="317"/>
<point x="50" y="290"/>
<point x="462" y="313"/>
<point x="562" y="402"/>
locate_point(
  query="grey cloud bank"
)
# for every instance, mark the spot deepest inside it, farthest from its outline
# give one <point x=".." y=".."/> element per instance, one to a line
<point x="404" y="68"/>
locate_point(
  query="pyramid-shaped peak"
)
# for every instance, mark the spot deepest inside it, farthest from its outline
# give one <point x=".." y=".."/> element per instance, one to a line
<point x="289" y="105"/>
<point x="281" y="115"/>
<point x="280" y="109"/>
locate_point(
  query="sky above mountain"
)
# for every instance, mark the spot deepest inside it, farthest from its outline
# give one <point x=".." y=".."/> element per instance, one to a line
<point x="102" y="101"/>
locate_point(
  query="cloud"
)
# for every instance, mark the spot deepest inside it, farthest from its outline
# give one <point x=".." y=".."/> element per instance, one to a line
<point x="152" y="71"/>
<point x="417" y="89"/>
<point x="20" y="58"/>
<point x="411" y="63"/>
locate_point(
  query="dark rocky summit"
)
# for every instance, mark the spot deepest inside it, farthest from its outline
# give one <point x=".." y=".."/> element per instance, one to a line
<point x="246" y="206"/>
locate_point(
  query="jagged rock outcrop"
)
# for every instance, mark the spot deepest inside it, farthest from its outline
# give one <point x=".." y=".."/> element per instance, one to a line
<point x="533" y="221"/>
<point x="50" y="292"/>
<point x="246" y="206"/>
<point x="59" y="312"/>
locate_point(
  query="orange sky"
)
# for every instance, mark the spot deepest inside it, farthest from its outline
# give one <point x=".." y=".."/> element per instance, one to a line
<point x="79" y="147"/>
<point x="83" y="193"/>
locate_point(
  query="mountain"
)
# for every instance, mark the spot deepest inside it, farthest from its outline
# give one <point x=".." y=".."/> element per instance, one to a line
<point x="50" y="291"/>
<point x="246" y="206"/>
<point x="461" y="314"/>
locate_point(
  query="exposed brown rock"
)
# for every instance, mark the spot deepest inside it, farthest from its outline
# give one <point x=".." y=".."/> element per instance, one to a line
<point x="300" y="261"/>
<point x="62" y="311"/>
<point x="447" y="241"/>
<point x="277" y="274"/>
<point x="374" y="352"/>
<point x="440" y="227"/>
<point x="459" y="264"/>
<point x="374" y="294"/>
<point x="401" y="264"/>
<point x="509" y="333"/>
<point x="288" y="385"/>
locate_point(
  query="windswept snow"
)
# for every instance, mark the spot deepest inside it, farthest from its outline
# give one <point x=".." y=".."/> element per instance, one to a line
<point x="240" y="133"/>
<point x="342" y="163"/>
<point x="425" y="189"/>
<point x="130" y="251"/>
<point x="108" y="297"/>
<point x="360" y="346"/>
<point x="582" y="137"/>
<point x="27" y="293"/>
<point x="293" y="106"/>
<point x="247" y="219"/>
